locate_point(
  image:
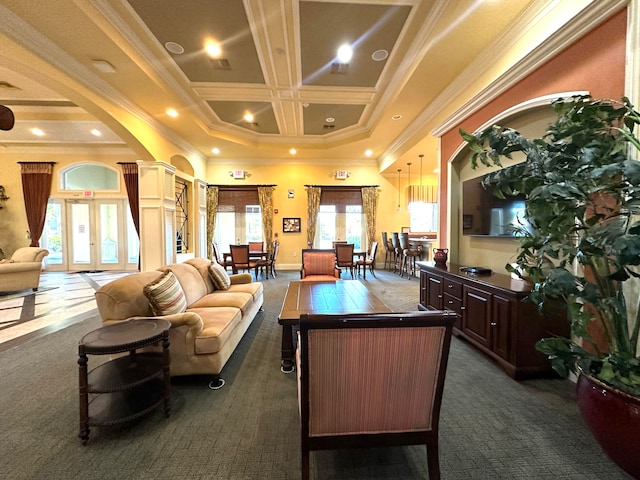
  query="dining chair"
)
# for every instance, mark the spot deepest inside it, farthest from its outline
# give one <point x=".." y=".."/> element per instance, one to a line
<point x="368" y="261"/>
<point x="372" y="380"/>
<point x="256" y="246"/>
<point x="344" y="256"/>
<point x="240" y="259"/>
<point x="397" y="252"/>
<point x="388" y="251"/>
<point x="220" y="258"/>
<point x="267" y="263"/>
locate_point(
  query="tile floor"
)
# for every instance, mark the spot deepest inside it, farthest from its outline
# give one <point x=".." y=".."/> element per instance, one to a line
<point x="62" y="299"/>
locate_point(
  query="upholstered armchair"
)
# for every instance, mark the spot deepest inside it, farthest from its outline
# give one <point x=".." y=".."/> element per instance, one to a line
<point x="22" y="270"/>
<point x="319" y="265"/>
<point x="372" y="380"/>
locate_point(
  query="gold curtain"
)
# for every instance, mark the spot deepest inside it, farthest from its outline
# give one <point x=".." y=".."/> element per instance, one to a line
<point x="265" y="196"/>
<point x="36" y="187"/>
<point x="212" y="210"/>
<point x="313" y="206"/>
<point x="369" y="208"/>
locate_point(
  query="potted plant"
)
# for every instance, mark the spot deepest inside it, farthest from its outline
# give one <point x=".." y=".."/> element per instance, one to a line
<point x="580" y="245"/>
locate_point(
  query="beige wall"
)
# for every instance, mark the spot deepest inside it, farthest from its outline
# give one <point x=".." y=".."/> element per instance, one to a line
<point x="295" y="177"/>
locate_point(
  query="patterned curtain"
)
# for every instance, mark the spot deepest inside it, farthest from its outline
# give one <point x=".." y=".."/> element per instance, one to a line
<point x="265" y="196"/>
<point x="212" y="210"/>
<point x="130" y="172"/>
<point x="313" y="206"/>
<point x="369" y="208"/>
<point x="36" y="187"/>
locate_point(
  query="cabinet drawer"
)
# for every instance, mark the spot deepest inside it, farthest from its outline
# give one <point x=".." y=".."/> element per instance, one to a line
<point x="452" y="288"/>
<point x="452" y="303"/>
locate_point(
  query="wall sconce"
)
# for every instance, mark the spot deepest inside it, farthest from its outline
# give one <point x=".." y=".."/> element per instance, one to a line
<point x="342" y="174"/>
<point x="239" y="174"/>
<point x="3" y="197"/>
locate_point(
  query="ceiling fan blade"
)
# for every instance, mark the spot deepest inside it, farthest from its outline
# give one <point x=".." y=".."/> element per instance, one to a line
<point x="7" y="119"/>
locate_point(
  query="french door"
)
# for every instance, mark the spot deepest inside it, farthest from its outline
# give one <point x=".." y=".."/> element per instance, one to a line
<point x="90" y="235"/>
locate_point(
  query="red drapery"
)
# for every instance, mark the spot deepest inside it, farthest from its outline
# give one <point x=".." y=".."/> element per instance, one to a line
<point x="130" y="172"/>
<point x="36" y="187"/>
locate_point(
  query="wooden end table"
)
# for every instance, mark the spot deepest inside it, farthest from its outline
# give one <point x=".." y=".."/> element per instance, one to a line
<point x="333" y="297"/>
<point x="126" y="387"/>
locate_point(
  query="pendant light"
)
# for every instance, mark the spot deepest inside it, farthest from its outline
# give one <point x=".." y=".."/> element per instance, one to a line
<point x="422" y="193"/>
<point x="399" y="206"/>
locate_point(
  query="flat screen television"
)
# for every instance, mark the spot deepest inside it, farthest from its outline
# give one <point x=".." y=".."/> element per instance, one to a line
<point x="485" y="214"/>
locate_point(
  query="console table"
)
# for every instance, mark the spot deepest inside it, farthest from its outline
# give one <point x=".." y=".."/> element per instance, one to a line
<point x="129" y="386"/>
<point x="493" y="315"/>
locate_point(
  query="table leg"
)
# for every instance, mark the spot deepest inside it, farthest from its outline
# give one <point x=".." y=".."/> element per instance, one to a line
<point x="287" y="365"/>
<point x="84" y="396"/>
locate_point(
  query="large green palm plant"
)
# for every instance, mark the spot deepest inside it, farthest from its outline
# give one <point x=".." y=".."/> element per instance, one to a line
<point x="582" y="187"/>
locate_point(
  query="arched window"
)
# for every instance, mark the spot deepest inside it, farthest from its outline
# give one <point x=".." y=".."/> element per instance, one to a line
<point x="90" y="176"/>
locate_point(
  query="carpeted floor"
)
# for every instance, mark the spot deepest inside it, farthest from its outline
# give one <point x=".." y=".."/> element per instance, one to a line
<point x="491" y="426"/>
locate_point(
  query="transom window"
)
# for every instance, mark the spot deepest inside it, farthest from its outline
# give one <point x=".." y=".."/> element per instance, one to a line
<point x="90" y="176"/>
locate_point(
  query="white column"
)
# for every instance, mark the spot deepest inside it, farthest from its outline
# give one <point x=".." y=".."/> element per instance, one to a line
<point x="156" y="184"/>
<point x="200" y="223"/>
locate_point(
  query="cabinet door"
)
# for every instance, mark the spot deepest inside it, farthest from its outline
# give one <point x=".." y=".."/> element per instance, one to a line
<point x="434" y="291"/>
<point x="423" y="289"/>
<point x="503" y="312"/>
<point x="476" y="319"/>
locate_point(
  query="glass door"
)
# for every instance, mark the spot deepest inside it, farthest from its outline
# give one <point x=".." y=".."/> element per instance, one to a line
<point x="95" y="234"/>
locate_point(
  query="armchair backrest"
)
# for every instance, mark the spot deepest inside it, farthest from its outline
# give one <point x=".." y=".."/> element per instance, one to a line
<point x="239" y="254"/>
<point x="319" y="262"/>
<point x="29" y="254"/>
<point x="372" y="374"/>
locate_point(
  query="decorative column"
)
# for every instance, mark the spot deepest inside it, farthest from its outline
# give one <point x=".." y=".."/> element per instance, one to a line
<point x="157" y="214"/>
<point x="200" y="223"/>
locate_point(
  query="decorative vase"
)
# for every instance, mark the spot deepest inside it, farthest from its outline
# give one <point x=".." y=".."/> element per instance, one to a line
<point x="613" y="417"/>
<point x="440" y="255"/>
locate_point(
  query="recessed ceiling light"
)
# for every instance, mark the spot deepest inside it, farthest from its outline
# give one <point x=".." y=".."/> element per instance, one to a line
<point x="396" y="117"/>
<point x="174" y="48"/>
<point x="329" y="119"/>
<point x="436" y="170"/>
<point x="215" y="151"/>
<point x="172" y="113"/>
<point x="248" y="117"/>
<point x="293" y="151"/>
<point x="96" y="133"/>
<point x="213" y="49"/>
<point x="379" y="55"/>
<point x="37" y="132"/>
<point x="345" y="52"/>
<point x="368" y="153"/>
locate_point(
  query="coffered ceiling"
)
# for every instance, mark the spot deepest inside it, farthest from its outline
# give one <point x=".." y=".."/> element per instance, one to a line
<point x="85" y="59"/>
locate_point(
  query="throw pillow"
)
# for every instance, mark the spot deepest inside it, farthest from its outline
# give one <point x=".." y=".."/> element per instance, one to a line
<point x="219" y="276"/>
<point x="165" y="295"/>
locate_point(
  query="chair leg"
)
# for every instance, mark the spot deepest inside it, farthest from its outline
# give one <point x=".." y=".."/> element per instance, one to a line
<point x="305" y="464"/>
<point x="433" y="460"/>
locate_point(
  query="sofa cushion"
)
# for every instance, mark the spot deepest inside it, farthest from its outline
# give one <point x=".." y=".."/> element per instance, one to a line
<point x="219" y="276"/>
<point x="223" y="298"/>
<point x="166" y="295"/>
<point x="254" y="288"/>
<point x="217" y="326"/>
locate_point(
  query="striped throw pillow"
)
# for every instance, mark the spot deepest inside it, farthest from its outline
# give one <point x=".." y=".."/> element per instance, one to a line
<point x="166" y="295"/>
<point x="219" y="276"/>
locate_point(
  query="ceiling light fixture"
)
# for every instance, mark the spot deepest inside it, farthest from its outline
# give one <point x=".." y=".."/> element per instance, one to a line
<point x="396" y="117"/>
<point x="368" y="153"/>
<point x="213" y="49"/>
<point x="37" y="132"/>
<point x="345" y="53"/>
<point x="172" y="112"/>
<point x="248" y="117"/>
<point x="293" y="151"/>
<point x="399" y="206"/>
<point x="96" y="133"/>
<point x="379" y="55"/>
<point x="329" y="119"/>
<point x="215" y="151"/>
<point x="421" y="193"/>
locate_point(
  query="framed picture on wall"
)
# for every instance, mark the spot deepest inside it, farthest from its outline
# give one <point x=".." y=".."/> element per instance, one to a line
<point x="291" y="225"/>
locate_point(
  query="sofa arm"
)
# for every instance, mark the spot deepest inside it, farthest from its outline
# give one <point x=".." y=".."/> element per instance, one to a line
<point x="239" y="278"/>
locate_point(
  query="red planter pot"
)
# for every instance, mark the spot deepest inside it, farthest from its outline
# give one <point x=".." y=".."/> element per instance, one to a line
<point x="614" y="419"/>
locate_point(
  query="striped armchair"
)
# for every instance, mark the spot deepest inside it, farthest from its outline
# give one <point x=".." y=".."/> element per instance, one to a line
<point x="372" y="380"/>
<point x="319" y="265"/>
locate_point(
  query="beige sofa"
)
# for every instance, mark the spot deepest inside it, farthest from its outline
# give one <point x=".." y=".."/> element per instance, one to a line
<point x="205" y="335"/>
<point x="22" y="270"/>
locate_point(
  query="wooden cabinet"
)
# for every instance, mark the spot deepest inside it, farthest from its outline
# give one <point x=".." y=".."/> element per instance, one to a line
<point x="493" y="315"/>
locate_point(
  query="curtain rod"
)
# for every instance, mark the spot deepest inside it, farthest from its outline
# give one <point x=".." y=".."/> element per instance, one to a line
<point x="50" y="163"/>
<point x="342" y="186"/>
<point x="242" y="186"/>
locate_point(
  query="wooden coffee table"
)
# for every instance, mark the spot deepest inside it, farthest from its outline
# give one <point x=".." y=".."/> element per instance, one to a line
<point x="341" y="296"/>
